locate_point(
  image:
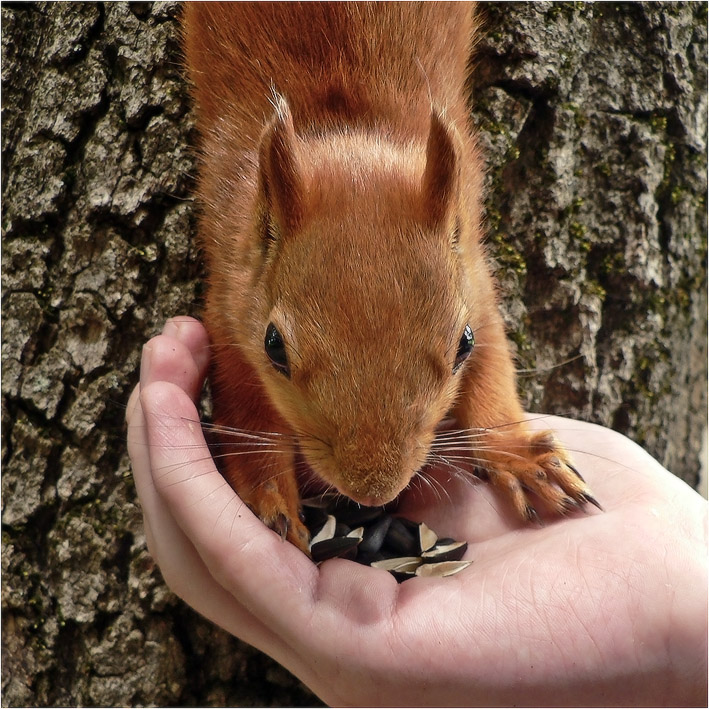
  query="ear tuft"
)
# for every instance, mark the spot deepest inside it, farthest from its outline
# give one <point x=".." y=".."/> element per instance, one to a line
<point x="440" y="178"/>
<point x="279" y="178"/>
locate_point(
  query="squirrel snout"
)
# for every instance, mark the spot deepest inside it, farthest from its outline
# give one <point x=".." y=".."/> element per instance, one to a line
<point x="374" y="475"/>
<point x="372" y="493"/>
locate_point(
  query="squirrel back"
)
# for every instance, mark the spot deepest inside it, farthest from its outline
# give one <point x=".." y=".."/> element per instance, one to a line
<point x="376" y="66"/>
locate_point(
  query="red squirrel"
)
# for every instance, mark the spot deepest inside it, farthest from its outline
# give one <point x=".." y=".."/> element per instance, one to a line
<point x="350" y="304"/>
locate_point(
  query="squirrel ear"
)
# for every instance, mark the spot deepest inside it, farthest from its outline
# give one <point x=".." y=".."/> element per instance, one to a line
<point x="440" y="178"/>
<point x="280" y="181"/>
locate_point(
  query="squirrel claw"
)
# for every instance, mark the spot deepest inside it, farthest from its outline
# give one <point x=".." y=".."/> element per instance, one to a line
<point x="590" y="498"/>
<point x="539" y="467"/>
<point x="280" y="526"/>
<point x="575" y="472"/>
<point x="280" y="511"/>
<point x="533" y="516"/>
<point x="289" y="530"/>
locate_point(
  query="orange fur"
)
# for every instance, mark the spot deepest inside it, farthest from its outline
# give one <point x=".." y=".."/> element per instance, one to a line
<point x="340" y="191"/>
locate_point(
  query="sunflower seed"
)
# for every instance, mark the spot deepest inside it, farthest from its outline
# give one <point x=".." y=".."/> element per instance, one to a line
<point x="351" y="513"/>
<point x="331" y="548"/>
<point x="341" y="530"/>
<point x="314" y="518"/>
<point x="443" y="568"/>
<point x="375" y="535"/>
<point x="327" y="531"/>
<point x="400" y="539"/>
<point x="402" y="547"/>
<point x="427" y="537"/>
<point x="400" y="563"/>
<point x="444" y="541"/>
<point x="445" y="552"/>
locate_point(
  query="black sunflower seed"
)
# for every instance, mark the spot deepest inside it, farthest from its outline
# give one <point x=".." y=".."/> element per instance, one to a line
<point x="327" y="531"/>
<point x="341" y="529"/>
<point x="401" y="540"/>
<point x="374" y="535"/>
<point x="352" y="514"/>
<point x="314" y="518"/>
<point x="332" y="548"/>
<point x="444" y="541"/>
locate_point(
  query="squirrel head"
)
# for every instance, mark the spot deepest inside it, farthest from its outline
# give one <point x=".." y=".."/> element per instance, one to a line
<point x="361" y="326"/>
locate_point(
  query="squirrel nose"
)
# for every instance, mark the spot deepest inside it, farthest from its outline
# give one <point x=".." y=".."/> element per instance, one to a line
<point x="375" y="472"/>
<point x="370" y="500"/>
<point x="372" y="490"/>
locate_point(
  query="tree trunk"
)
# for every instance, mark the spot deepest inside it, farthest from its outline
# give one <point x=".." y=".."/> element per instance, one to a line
<point x="593" y="121"/>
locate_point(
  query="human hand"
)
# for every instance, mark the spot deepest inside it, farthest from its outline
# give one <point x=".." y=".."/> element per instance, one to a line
<point x="595" y="609"/>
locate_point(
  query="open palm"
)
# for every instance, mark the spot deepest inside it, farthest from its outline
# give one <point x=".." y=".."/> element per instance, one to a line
<point x="598" y="608"/>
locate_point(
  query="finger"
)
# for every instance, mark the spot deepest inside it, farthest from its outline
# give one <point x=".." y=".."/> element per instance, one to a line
<point x="133" y="401"/>
<point x="180" y="564"/>
<point x="297" y="613"/>
<point x="191" y="333"/>
<point x="167" y="359"/>
<point x="154" y="511"/>
<point x="241" y="553"/>
<point x="184" y="364"/>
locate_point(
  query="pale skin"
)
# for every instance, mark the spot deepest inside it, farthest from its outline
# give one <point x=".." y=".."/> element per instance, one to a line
<point x="602" y="608"/>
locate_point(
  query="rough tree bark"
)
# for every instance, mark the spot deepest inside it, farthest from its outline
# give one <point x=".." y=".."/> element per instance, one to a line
<point x="593" y="119"/>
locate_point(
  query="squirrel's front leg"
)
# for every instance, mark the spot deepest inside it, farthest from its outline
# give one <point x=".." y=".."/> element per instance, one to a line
<point x="266" y="482"/>
<point x="525" y="467"/>
<point x="256" y="455"/>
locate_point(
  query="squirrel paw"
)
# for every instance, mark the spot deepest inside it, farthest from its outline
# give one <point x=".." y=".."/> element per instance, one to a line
<point x="537" y="465"/>
<point x="283" y="518"/>
<point x="291" y="529"/>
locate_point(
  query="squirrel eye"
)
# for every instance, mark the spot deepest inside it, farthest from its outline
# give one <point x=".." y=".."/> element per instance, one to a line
<point x="465" y="347"/>
<point x="276" y="349"/>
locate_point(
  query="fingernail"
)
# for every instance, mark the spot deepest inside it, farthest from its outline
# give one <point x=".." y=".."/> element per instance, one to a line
<point x="171" y="328"/>
<point x="146" y="362"/>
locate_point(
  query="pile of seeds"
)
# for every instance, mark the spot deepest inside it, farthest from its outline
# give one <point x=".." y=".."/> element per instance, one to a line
<point x="372" y="536"/>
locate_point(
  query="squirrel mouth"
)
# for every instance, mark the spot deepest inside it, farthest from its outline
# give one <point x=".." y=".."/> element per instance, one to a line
<point x="312" y="484"/>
